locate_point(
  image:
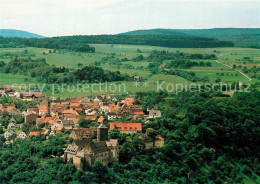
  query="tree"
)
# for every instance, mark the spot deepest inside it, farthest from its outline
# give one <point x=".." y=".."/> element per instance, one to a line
<point x="84" y="123"/>
<point x="114" y="134"/>
<point x="151" y="132"/>
<point x="100" y="171"/>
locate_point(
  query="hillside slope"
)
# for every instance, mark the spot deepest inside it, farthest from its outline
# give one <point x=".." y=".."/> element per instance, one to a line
<point x="244" y="37"/>
<point x="18" y="33"/>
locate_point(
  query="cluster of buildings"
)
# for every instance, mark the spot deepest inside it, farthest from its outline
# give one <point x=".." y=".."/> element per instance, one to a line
<point x="106" y="111"/>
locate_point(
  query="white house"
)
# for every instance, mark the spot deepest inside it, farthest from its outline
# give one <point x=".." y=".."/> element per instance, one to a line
<point x="111" y="116"/>
<point x="8" y="134"/>
<point x="155" y="114"/>
<point x="21" y="135"/>
<point x="11" y="125"/>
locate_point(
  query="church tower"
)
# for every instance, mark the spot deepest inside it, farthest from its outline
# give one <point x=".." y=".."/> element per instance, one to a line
<point x="102" y="133"/>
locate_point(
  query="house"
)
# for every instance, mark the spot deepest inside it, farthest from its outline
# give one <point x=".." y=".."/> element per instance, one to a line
<point x="83" y="133"/>
<point x="159" y="142"/>
<point x="85" y="100"/>
<point x="87" y="151"/>
<point x="105" y="107"/>
<point x="33" y="111"/>
<point x="147" y="142"/>
<point x="59" y="129"/>
<point x="76" y="106"/>
<point x="134" y="110"/>
<point x="67" y="123"/>
<point x="20" y="135"/>
<point x="129" y="101"/>
<point x="154" y="114"/>
<point x="28" y="95"/>
<point x="11" y="125"/>
<point x="30" y="117"/>
<point x="112" y="107"/>
<point x="50" y="120"/>
<point x="6" y="90"/>
<point x="44" y="108"/>
<point x="111" y="116"/>
<point x="127" y="128"/>
<point x="91" y="115"/>
<point x="68" y="112"/>
<point x="8" y="134"/>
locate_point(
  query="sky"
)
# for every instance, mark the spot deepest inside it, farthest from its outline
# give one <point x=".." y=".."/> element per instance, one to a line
<point x="92" y="17"/>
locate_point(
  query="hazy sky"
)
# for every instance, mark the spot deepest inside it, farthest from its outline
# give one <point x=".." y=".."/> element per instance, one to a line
<point x="74" y="17"/>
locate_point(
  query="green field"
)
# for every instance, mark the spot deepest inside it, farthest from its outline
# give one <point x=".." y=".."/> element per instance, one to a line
<point x="226" y="56"/>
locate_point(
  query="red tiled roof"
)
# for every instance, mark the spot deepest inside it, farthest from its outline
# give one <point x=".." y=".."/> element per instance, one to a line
<point x="70" y="111"/>
<point x="101" y="119"/>
<point x="39" y="95"/>
<point x="126" y="126"/>
<point x="129" y="100"/>
<point x="159" y="137"/>
<point x="36" y="132"/>
<point x="59" y="128"/>
<point x="44" y="120"/>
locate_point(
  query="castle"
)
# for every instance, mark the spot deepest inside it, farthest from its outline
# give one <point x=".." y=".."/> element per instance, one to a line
<point x="87" y="151"/>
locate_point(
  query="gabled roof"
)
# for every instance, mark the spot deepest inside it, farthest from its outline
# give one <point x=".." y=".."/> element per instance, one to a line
<point x="126" y="126"/>
<point x="101" y="119"/>
<point x="70" y="111"/>
<point x="45" y="119"/>
<point x="129" y="100"/>
<point x="158" y="137"/>
<point x="112" y="143"/>
<point x="36" y="132"/>
<point x="20" y="132"/>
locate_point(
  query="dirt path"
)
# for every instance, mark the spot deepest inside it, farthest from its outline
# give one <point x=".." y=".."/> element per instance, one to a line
<point x="233" y="69"/>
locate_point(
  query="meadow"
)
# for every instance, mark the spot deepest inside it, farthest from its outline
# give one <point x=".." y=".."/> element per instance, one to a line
<point x="244" y="57"/>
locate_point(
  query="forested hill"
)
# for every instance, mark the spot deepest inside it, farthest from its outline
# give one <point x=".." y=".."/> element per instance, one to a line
<point x="18" y="33"/>
<point x="80" y="43"/>
<point x="175" y="41"/>
<point x="244" y="37"/>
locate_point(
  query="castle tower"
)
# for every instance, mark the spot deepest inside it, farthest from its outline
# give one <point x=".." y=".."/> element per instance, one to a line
<point x="102" y="133"/>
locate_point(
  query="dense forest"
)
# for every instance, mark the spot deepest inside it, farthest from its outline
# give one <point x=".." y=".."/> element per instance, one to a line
<point x="210" y="138"/>
<point x="43" y="72"/>
<point x="80" y="43"/>
<point x="49" y="43"/>
<point x="241" y="37"/>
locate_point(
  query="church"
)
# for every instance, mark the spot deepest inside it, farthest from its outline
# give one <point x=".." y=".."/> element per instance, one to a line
<point x="87" y="151"/>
